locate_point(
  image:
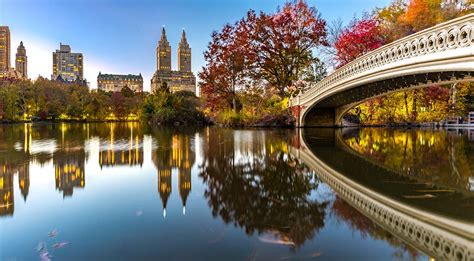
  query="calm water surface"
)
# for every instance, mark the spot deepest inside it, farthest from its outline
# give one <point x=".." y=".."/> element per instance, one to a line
<point x="124" y="191"/>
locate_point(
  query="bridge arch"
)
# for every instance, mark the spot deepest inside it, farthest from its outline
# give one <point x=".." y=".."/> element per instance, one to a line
<point x="438" y="55"/>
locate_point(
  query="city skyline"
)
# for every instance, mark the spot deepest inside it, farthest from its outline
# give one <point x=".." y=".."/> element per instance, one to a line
<point x="124" y="44"/>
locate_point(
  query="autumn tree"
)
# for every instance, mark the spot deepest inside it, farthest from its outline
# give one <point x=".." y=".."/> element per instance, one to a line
<point x="282" y="43"/>
<point x="360" y="37"/>
<point x="225" y="66"/>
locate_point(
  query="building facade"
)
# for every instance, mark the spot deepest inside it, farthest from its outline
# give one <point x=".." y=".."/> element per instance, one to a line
<point x="21" y="61"/>
<point x="181" y="80"/>
<point x="115" y="82"/>
<point x="4" y="49"/>
<point x="67" y="66"/>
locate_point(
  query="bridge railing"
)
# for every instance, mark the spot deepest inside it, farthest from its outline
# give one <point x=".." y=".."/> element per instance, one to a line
<point x="447" y="36"/>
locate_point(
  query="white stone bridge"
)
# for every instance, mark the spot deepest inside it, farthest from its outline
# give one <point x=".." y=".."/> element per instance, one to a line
<point x="439" y="55"/>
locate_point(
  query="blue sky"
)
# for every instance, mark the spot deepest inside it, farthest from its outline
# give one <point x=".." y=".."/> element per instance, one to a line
<point x="120" y="36"/>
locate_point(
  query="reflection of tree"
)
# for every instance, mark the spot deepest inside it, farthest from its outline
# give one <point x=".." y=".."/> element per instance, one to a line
<point x="269" y="197"/>
<point x="358" y="222"/>
<point x="431" y="156"/>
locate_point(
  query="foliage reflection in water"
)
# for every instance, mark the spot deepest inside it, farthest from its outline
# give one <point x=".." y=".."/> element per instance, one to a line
<point x="442" y="157"/>
<point x="123" y="190"/>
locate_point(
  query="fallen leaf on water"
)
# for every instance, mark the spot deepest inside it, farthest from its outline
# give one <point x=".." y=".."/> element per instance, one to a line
<point x="53" y="233"/>
<point x="425" y="196"/>
<point x="41" y="247"/>
<point x="45" y="256"/>
<point x="270" y="240"/>
<point x="316" y="254"/>
<point x="60" y="245"/>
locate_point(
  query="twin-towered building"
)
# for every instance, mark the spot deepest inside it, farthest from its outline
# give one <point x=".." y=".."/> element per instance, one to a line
<point x="69" y="67"/>
<point x="181" y="80"/>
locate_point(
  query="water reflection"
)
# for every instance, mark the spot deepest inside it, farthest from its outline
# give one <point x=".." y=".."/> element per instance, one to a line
<point x="273" y="188"/>
<point x="435" y="157"/>
<point x="249" y="181"/>
<point x="123" y="146"/>
<point x="174" y="151"/>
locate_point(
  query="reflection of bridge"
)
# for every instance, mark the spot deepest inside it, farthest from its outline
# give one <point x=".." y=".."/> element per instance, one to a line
<point x="441" y="54"/>
<point x="438" y="236"/>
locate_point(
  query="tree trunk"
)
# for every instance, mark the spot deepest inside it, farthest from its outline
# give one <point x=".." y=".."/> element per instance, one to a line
<point x="413" y="109"/>
<point x="406" y="105"/>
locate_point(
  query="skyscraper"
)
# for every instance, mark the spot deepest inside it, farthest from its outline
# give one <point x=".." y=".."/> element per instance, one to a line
<point x="21" y="61"/>
<point x="184" y="55"/>
<point x="181" y="80"/>
<point x="67" y="66"/>
<point x="4" y="49"/>
<point x="163" y="51"/>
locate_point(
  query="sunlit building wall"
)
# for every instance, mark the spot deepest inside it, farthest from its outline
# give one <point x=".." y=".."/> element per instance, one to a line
<point x="4" y="49"/>
<point x="21" y="61"/>
<point x="115" y="82"/>
<point x="181" y="80"/>
<point x="67" y="66"/>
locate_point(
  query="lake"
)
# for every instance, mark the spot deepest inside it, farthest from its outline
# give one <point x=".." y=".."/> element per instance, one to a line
<point x="120" y="191"/>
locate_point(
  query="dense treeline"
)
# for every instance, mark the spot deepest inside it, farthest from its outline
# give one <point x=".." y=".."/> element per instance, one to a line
<point x="255" y="64"/>
<point x="51" y="100"/>
<point x="402" y="18"/>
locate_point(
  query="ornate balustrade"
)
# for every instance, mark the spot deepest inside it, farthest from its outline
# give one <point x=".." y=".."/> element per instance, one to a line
<point x="450" y="40"/>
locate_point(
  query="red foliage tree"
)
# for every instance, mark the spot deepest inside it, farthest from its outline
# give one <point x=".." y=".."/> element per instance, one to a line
<point x="359" y="38"/>
<point x="282" y="43"/>
<point x="268" y="50"/>
<point x="225" y="66"/>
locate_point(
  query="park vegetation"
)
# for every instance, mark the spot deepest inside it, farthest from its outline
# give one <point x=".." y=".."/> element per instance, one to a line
<point x="48" y="100"/>
<point x="257" y="63"/>
<point x="402" y="18"/>
<point x="254" y="66"/>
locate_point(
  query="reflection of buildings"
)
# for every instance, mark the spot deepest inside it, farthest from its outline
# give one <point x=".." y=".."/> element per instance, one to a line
<point x="6" y="191"/>
<point x="179" y="154"/>
<point x="122" y="147"/>
<point x="70" y="157"/>
<point x="164" y="186"/>
<point x="69" y="170"/>
<point x="7" y="172"/>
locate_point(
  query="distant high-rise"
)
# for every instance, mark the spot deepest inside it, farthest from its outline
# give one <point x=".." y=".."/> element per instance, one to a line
<point x="4" y="49"/>
<point x="67" y="66"/>
<point x="184" y="55"/>
<point x="21" y="61"/>
<point x="181" y="80"/>
<point x="163" y="51"/>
